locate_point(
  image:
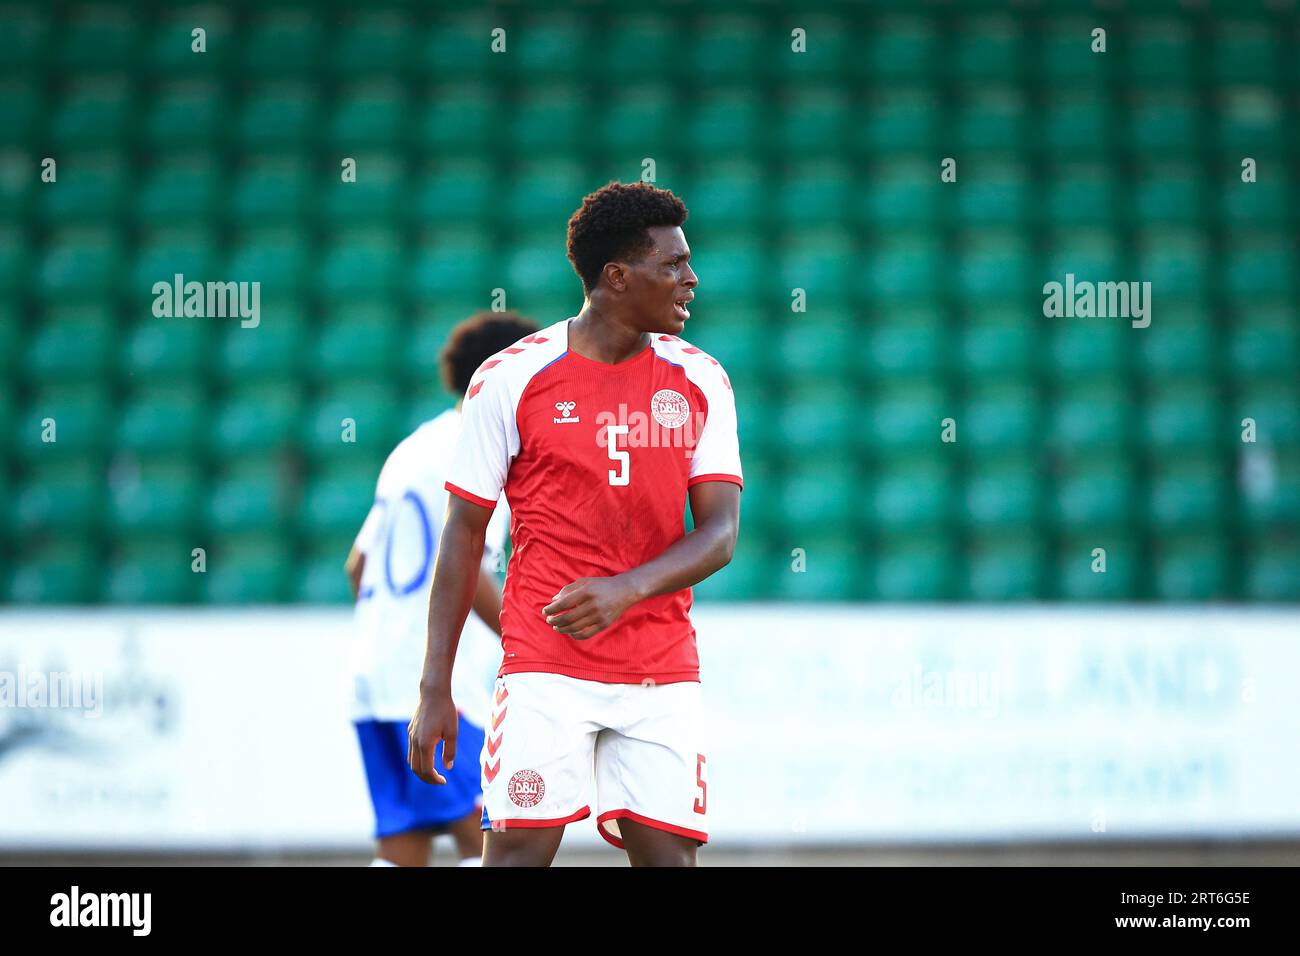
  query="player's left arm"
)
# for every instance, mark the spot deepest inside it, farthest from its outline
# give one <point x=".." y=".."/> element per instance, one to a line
<point x="589" y="605"/>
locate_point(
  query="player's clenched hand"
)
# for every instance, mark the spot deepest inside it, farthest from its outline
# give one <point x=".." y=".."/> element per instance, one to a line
<point x="435" y="719"/>
<point x="587" y="606"/>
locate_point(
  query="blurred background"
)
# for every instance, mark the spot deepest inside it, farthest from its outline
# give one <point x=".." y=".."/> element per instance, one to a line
<point x="815" y="171"/>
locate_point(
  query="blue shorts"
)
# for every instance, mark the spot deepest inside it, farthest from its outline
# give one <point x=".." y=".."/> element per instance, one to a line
<point x="402" y="800"/>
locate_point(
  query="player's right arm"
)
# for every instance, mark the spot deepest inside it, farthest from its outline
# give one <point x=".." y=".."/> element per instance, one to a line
<point x="455" y="583"/>
<point x="486" y="444"/>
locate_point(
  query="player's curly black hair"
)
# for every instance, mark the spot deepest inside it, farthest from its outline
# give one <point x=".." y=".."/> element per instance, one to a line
<point x="611" y="224"/>
<point x="474" y="341"/>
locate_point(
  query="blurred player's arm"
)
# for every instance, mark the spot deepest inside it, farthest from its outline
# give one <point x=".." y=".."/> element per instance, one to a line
<point x="355" y="566"/>
<point x="456" y="580"/>
<point x="589" y="605"/>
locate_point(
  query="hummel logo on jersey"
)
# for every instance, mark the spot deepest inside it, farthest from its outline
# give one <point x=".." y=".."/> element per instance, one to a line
<point x="565" y="409"/>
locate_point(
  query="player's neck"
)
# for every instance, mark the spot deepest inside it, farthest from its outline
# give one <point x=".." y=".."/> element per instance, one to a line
<point x="601" y="337"/>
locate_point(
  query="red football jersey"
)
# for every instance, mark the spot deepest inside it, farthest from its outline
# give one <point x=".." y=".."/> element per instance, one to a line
<point x="595" y="461"/>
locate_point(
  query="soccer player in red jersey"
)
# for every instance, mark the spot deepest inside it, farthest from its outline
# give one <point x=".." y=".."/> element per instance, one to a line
<point x="599" y="428"/>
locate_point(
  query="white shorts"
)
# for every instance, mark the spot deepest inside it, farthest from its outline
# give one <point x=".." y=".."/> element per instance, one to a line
<point x="550" y="734"/>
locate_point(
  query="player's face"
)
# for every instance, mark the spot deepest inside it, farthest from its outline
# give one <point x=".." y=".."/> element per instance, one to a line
<point x="662" y="284"/>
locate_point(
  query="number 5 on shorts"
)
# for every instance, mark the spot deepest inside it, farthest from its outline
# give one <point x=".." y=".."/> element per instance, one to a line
<point x="703" y="798"/>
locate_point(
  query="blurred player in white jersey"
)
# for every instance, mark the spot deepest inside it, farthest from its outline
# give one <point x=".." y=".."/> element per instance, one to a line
<point x="390" y="568"/>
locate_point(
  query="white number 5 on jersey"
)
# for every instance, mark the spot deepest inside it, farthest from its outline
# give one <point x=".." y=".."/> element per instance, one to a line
<point x="624" y="459"/>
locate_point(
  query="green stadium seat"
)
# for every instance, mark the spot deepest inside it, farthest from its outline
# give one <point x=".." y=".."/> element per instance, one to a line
<point x="1000" y="344"/>
<point x="993" y="263"/>
<point x="896" y="122"/>
<point x="284" y="42"/>
<point x="1091" y="255"/>
<point x="101" y="38"/>
<point x="1160" y="51"/>
<point x="336" y="501"/>
<point x="64" y="571"/>
<point x="257" y="420"/>
<point x="193" y="113"/>
<point x="1276" y="410"/>
<point x="728" y="47"/>
<point x="372" y="42"/>
<point x="190" y="252"/>
<point x="279" y="116"/>
<point x="252" y="498"/>
<point x="456" y="192"/>
<point x="1079" y="125"/>
<point x="278" y="259"/>
<point x="905" y="418"/>
<point x="917" y="568"/>
<point x="727" y="123"/>
<point x="80" y="264"/>
<point x="990" y="118"/>
<point x="379" y="195"/>
<point x="321" y="579"/>
<point x="1246" y="52"/>
<point x="815" y="193"/>
<point x="1081" y="194"/>
<point x="74" y="345"/>
<point x="637" y="47"/>
<point x="461" y="119"/>
<point x="1187" y="495"/>
<point x="272" y="191"/>
<point x="168" y="350"/>
<point x="369" y="115"/>
<point x="1176" y="261"/>
<point x="361" y="340"/>
<point x="1001" y="417"/>
<point x="370" y="405"/>
<point x="25" y="35"/>
<point x="1244" y="205"/>
<point x="817" y="260"/>
<point x="1004" y="568"/>
<point x="1262" y="265"/>
<point x="160" y="496"/>
<point x="1264" y="341"/>
<point x="1182" y="345"/>
<point x="1002" y="495"/>
<point x="152" y="569"/>
<point x="458" y="45"/>
<point x="820" y="490"/>
<point x="1268" y="489"/>
<point x="829" y="50"/>
<point x="536" y="262"/>
<point x="988" y="49"/>
<point x="187" y="189"/>
<point x="245" y="569"/>
<point x="820" y="415"/>
<point x="15" y="266"/>
<point x="97" y="113"/>
<point x="168" y="49"/>
<point x="1273" y="570"/>
<point x="830" y="570"/>
<point x="1085" y="419"/>
<point x="552" y="45"/>
<point x="61" y="496"/>
<point x="1191" y="569"/>
<point x="12" y="334"/>
<point x="80" y="417"/>
<point x="1065" y="55"/>
<point x="544" y="193"/>
<point x="91" y="189"/>
<point x="1172" y="193"/>
<point x="812" y="120"/>
<point x="549" y="119"/>
<point x="1183" y="419"/>
<point x="904" y="267"/>
<point x="160" y="420"/>
<point x="900" y="48"/>
<point x="361" y="262"/>
<point x="1251" y="122"/>
<point x="1167" y="122"/>
<point x="763" y="501"/>
<point x="908" y="497"/>
<point x="270" y="352"/>
<point x="1098" y="349"/>
<point x="908" y="343"/>
<point x="753" y="567"/>
<point x="456" y="262"/>
<point x="1075" y="579"/>
<point x="994" y="194"/>
<point x="904" y="194"/>
<point x="1095" y="496"/>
